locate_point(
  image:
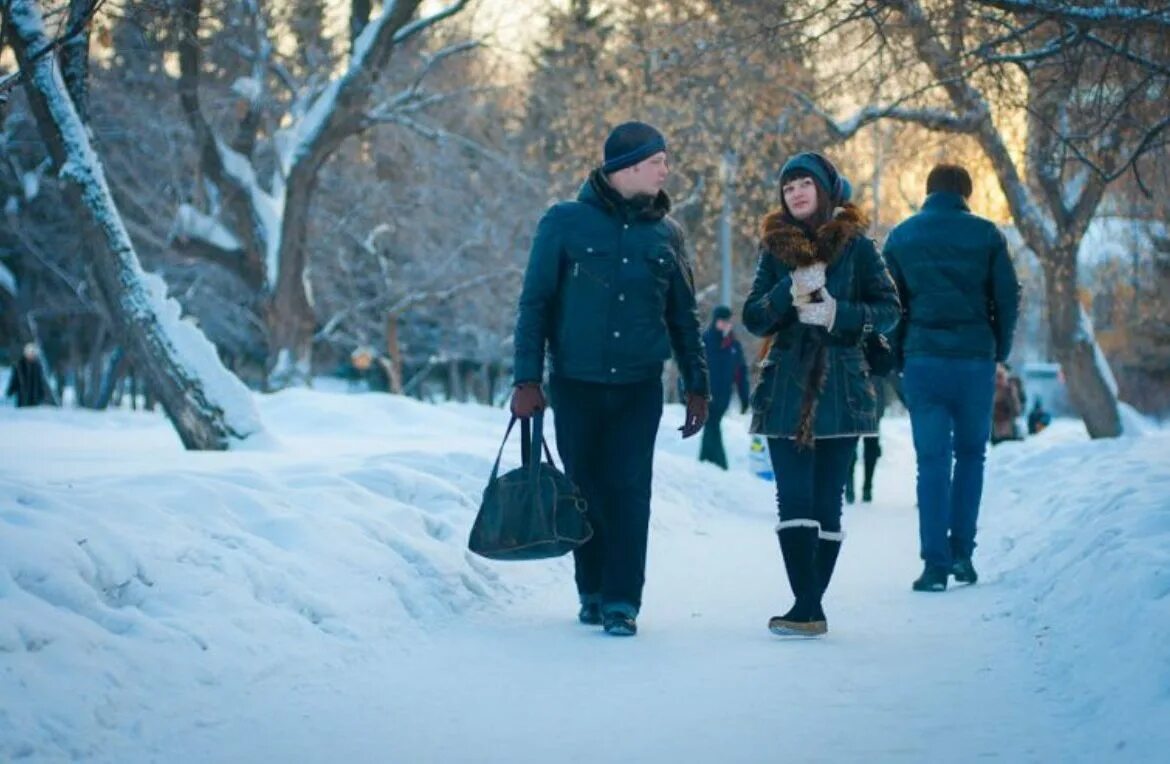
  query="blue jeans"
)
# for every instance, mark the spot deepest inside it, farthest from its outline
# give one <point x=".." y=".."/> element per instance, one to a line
<point x="950" y="403"/>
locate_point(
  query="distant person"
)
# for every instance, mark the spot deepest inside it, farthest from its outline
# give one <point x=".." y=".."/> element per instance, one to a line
<point x="608" y="293"/>
<point x="820" y="284"/>
<point x="727" y="369"/>
<point x="28" y="381"/>
<point x="960" y="301"/>
<point x="1007" y="407"/>
<point x="871" y="451"/>
<point x="1038" y="417"/>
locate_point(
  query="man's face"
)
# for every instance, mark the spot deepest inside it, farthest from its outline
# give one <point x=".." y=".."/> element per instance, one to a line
<point x="649" y="176"/>
<point x="724" y="325"/>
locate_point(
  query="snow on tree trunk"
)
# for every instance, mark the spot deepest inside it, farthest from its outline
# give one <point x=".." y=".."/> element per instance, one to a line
<point x="1091" y="388"/>
<point x="290" y="317"/>
<point x="206" y="404"/>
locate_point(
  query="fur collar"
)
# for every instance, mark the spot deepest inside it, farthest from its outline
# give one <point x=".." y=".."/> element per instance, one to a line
<point x="790" y="244"/>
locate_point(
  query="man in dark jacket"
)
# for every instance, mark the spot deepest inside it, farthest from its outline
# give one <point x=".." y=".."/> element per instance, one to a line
<point x="609" y="293"/>
<point x="960" y="300"/>
<point x="727" y="369"/>
<point x="28" y="382"/>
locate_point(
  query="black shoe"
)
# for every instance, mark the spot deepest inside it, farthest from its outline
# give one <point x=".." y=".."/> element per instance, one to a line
<point x="867" y="494"/>
<point x="620" y="625"/>
<point x="590" y="614"/>
<point x="849" y="497"/>
<point x="964" y="571"/>
<point x="933" y="579"/>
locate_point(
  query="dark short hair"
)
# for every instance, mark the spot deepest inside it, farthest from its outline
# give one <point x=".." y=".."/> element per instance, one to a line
<point x="951" y="178"/>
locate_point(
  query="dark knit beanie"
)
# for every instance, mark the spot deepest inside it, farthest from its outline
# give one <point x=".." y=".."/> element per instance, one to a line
<point x="721" y="313"/>
<point x="823" y="173"/>
<point x="630" y="143"/>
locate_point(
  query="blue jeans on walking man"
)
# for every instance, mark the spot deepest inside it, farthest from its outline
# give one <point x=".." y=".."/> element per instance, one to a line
<point x="950" y="415"/>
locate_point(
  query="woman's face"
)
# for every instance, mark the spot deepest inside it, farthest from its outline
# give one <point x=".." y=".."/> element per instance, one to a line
<point x="800" y="196"/>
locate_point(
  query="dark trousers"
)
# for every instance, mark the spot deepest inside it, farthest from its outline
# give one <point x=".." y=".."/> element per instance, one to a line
<point x="606" y="434"/>
<point x="950" y="417"/>
<point x="711" y="449"/>
<point x="871" y="450"/>
<point x="809" y="481"/>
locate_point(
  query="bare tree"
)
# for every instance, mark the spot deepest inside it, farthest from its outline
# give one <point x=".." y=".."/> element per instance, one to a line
<point x="207" y="406"/>
<point x="1084" y="84"/>
<point x="260" y="229"/>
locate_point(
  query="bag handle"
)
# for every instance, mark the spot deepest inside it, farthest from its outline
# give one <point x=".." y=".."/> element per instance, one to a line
<point x="532" y="440"/>
<point x="530" y="446"/>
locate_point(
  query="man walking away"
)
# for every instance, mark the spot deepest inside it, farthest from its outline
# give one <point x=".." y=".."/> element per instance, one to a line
<point x="728" y="369"/>
<point x="960" y="299"/>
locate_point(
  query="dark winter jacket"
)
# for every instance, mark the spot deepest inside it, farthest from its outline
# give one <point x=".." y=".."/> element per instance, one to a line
<point x="28" y="383"/>
<point x="609" y="292"/>
<point x="960" y="296"/>
<point x="814" y="382"/>
<point x="726" y="367"/>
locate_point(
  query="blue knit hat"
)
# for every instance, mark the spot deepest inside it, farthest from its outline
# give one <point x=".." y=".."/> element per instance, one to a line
<point x="822" y="171"/>
<point x="630" y="143"/>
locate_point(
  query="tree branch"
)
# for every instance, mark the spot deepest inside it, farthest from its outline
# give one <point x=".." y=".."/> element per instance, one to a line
<point x="1098" y="15"/>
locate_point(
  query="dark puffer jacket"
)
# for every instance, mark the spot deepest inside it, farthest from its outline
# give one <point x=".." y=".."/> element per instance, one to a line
<point x="811" y="380"/>
<point x="727" y="368"/>
<point x="960" y="295"/>
<point x="609" y="291"/>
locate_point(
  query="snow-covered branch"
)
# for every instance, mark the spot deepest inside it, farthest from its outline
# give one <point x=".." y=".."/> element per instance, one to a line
<point x="7" y="280"/>
<point x="1036" y="224"/>
<point x="192" y="224"/>
<point x="415" y="27"/>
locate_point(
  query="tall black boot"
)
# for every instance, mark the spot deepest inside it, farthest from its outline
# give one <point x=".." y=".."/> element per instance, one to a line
<point x="873" y="451"/>
<point x="827" y="552"/>
<point x="798" y="545"/>
<point x="849" y="495"/>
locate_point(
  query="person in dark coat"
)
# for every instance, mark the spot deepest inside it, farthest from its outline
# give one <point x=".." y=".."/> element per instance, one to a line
<point x="28" y="381"/>
<point x="960" y="300"/>
<point x="820" y="287"/>
<point x="1007" y="407"/>
<point x="1038" y="417"/>
<point x="871" y="451"/>
<point x="728" y="370"/>
<point x="609" y="293"/>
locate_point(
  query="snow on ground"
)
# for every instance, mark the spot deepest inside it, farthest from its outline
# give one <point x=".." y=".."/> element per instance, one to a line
<point x="314" y="602"/>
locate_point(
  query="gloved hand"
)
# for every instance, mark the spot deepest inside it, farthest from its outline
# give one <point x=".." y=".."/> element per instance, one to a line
<point x="696" y="415"/>
<point x="527" y="399"/>
<point x="806" y="280"/>
<point x="821" y="313"/>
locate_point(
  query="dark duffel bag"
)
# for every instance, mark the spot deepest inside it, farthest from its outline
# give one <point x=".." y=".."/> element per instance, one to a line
<point x="531" y="512"/>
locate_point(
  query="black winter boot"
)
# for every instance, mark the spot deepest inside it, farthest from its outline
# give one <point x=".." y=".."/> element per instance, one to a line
<point x="590" y="614"/>
<point x="933" y="579"/>
<point x="827" y="553"/>
<point x="798" y="545"/>
<point x="964" y="571"/>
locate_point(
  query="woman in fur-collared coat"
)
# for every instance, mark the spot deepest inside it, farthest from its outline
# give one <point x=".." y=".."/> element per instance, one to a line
<point x="820" y="287"/>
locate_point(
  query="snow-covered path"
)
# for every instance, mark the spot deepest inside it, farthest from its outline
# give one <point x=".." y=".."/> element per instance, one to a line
<point x="902" y="677"/>
<point x="315" y="604"/>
